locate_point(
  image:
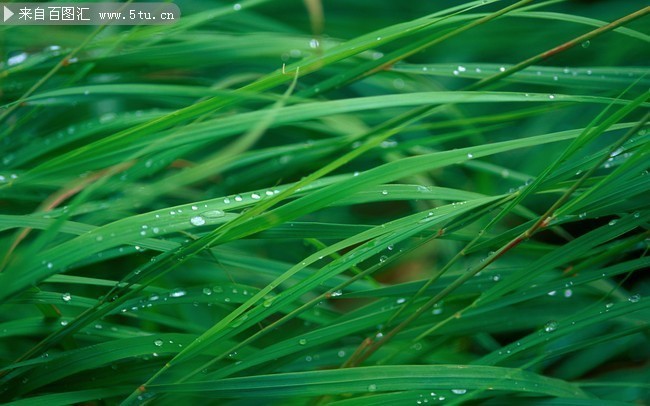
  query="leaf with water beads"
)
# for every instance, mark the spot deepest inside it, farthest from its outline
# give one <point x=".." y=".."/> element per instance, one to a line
<point x="101" y="354"/>
<point x="578" y="77"/>
<point x="376" y="379"/>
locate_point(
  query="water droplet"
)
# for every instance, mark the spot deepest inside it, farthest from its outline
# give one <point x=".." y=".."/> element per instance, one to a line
<point x="341" y="354"/>
<point x="238" y="198"/>
<point x="313" y="43"/>
<point x="383" y="258"/>
<point x="384" y="192"/>
<point x="197" y="221"/>
<point x="255" y="196"/>
<point x="550" y="326"/>
<point x="502" y="69"/>
<point x="105" y="118"/>
<point x="50" y="265"/>
<point x="400" y="300"/>
<point x="17" y="59"/>
<point x="66" y="297"/>
<point x="612" y="222"/>
<point x="586" y="44"/>
<point x="207" y="291"/>
<point x="390" y="247"/>
<point x="226" y="200"/>
<point x="459" y="391"/>
<point x="236" y="7"/>
<point x="177" y="293"/>
<point x="302" y="341"/>
<point x="461" y="68"/>
<point x="617" y="152"/>
<point x="582" y="215"/>
<point x="213" y="213"/>
<point x="470" y="156"/>
<point x="634" y="298"/>
<point x="552" y="293"/>
<point x="53" y="49"/>
<point x="551" y="96"/>
<point x="158" y="343"/>
<point x="372" y="387"/>
<point x="568" y="293"/>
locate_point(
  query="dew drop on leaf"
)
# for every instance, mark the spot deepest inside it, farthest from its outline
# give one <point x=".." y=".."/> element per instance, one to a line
<point x="197" y="221"/>
<point x="550" y="326"/>
<point x="213" y="213"/>
<point x="177" y="293"/>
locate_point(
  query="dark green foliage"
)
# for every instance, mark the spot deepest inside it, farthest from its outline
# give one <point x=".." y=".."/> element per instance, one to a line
<point x="426" y="202"/>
